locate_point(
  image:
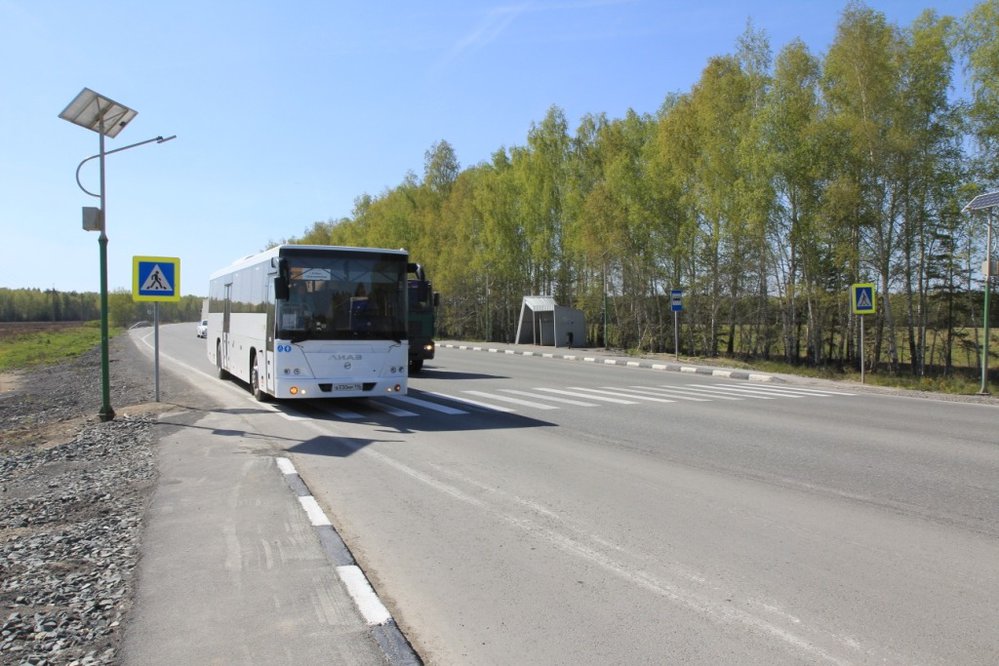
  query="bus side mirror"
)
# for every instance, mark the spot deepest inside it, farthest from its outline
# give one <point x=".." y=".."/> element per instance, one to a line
<point x="437" y="298"/>
<point x="281" y="289"/>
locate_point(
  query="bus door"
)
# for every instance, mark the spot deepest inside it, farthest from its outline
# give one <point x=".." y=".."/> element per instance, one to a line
<point x="268" y="380"/>
<point x="226" y="311"/>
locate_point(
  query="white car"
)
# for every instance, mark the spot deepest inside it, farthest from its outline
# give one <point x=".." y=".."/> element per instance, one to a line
<point x="203" y="329"/>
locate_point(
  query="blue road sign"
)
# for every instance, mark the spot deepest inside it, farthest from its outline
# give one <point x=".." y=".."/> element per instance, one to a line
<point x="862" y="298"/>
<point x="676" y="300"/>
<point x="155" y="279"/>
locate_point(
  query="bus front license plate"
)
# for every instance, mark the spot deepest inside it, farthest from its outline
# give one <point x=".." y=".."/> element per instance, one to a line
<point x="346" y="387"/>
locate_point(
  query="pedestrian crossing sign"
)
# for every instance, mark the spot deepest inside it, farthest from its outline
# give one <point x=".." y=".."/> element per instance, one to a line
<point x="862" y="298"/>
<point x="155" y="279"/>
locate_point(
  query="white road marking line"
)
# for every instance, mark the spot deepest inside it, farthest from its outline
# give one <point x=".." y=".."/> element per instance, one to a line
<point x="696" y="391"/>
<point x="426" y="404"/>
<point x="364" y="596"/>
<point x="286" y="466"/>
<point x="513" y="401"/>
<point x="312" y="509"/>
<point x="616" y="393"/>
<point x="389" y="409"/>
<point x="616" y="401"/>
<point x="567" y="401"/>
<point x="677" y="395"/>
<point x="468" y="401"/>
<point x="722" y="389"/>
<point x="763" y="390"/>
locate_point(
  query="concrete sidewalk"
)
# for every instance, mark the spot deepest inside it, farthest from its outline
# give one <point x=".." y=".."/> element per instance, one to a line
<point x="233" y="570"/>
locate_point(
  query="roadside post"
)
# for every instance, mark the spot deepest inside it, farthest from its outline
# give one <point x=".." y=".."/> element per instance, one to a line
<point x="986" y="202"/>
<point x="862" y="302"/>
<point x="155" y="280"/>
<point x="676" y="305"/>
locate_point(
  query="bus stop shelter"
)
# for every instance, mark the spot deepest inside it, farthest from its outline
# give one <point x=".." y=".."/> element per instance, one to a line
<point x="544" y="322"/>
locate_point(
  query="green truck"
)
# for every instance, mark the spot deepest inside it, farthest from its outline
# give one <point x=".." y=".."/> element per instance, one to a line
<point x="423" y="302"/>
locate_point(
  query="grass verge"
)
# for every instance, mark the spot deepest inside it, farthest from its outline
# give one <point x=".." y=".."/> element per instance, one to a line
<point x="44" y="347"/>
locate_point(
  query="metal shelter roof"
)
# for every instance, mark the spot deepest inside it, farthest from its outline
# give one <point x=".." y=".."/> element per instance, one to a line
<point x="540" y="303"/>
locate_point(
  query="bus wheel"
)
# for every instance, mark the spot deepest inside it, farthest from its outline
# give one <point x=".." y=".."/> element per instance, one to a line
<point x="258" y="393"/>
<point x="219" y="372"/>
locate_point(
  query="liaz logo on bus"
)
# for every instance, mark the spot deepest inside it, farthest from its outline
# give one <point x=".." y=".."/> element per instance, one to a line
<point x="347" y="357"/>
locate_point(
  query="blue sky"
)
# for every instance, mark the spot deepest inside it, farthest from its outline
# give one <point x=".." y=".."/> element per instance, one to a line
<point x="286" y="112"/>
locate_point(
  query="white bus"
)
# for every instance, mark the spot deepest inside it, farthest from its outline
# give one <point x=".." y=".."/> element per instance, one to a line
<point x="312" y="321"/>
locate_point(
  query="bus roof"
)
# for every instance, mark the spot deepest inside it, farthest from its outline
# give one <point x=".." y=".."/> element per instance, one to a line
<point x="278" y="249"/>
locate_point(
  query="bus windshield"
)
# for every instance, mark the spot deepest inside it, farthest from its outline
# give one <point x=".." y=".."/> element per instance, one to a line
<point x="343" y="297"/>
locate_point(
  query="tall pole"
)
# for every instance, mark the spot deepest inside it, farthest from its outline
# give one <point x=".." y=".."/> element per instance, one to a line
<point x="984" y="390"/>
<point x="156" y="344"/>
<point x="605" y="303"/>
<point x="676" y="334"/>
<point x="106" y="413"/>
<point x="861" y="349"/>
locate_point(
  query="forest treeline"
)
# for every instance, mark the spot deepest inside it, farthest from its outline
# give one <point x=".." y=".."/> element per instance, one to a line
<point x="763" y="192"/>
<point x="52" y="305"/>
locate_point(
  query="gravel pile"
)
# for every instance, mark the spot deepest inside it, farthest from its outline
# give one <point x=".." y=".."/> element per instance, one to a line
<point x="72" y="494"/>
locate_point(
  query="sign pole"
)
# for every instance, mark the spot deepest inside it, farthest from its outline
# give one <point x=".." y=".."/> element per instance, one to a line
<point x="676" y="334"/>
<point x="156" y="280"/>
<point x="676" y="304"/>
<point x="862" y="303"/>
<point x="862" y="349"/>
<point x="156" y="348"/>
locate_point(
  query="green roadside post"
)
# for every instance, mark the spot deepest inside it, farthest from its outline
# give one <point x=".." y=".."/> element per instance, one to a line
<point x="985" y="202"/>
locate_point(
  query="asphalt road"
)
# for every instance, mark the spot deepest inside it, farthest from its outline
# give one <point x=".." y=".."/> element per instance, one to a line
<point x="543" y="511"/>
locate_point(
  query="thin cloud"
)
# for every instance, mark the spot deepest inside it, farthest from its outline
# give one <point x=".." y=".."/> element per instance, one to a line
<point x="492" y="25"/>
<point x="497" y="20"/>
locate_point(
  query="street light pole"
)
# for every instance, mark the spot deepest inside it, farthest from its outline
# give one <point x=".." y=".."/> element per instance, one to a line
<point x="106" y="413"/>
<point x="985" y="202"/>
<point x="106" y="117"/>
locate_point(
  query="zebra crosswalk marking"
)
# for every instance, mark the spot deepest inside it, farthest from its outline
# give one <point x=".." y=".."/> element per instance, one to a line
<point x="389" y="409"/>
<point x="577" y="394"/>
<point x="697" y="391"/>
<point x="677" y="395"/>
<point x="646" y="398"/>
<point x="469" y="401"/>
<point x="740" y="392"/>
<point x="565" y="401"/>
<point x="781" y="393"/>
<point x="444" y="409"/>
<point x="513" y="401"/>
